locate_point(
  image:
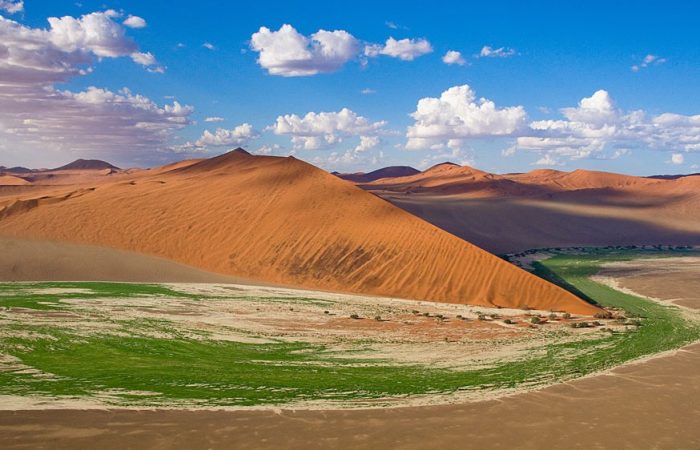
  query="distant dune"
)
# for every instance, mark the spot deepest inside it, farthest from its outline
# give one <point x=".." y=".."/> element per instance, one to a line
<point x="673" y="177"/>
<point x="283" y="221"/>
<point x="88" y="164"/>
<point x="15" y="170"/>
<point x="11" y="180"/>
<point x="549" y="208"/>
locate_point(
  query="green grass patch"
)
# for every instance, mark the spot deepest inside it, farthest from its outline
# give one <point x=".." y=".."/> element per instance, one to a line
<point x="139" y="370"/>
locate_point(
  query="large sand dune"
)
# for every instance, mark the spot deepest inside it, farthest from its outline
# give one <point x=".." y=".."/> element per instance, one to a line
<point x="283" y="221"/>
<point x="549" y="208"/>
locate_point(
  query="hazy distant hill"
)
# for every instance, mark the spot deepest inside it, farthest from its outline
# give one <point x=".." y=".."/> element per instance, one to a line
<point x="392" y="171"/>
<point x="88" y="164"/>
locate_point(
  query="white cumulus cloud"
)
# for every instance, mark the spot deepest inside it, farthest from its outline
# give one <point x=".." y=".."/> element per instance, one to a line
<point x="237" y="136"/>
<point x="596" y="124"/>
<point x="404" y="49"/>
<point x="12" y="6"/>
<point x="367" y="143"/>
<point x="286" y="52"/>
<point x="454" y="57"/>
<point x="318" y="130"/>
<point x="677" y="158"/>
<point x="135" y="22"/>
<point x="457" y="115"/>
<point x="214" y="119"/>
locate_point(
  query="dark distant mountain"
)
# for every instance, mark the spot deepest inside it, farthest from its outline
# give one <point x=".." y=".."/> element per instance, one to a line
<point x="87" y="164"/>
<point x="17" y="169"/>
<point x="386" y="172"/>
<point x="673" y="177"/>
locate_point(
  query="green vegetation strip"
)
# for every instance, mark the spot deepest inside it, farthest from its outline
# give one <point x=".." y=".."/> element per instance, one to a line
<point x="130" y="369"/>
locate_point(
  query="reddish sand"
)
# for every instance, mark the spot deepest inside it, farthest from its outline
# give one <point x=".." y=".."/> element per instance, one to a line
<point x="278" y="220"/>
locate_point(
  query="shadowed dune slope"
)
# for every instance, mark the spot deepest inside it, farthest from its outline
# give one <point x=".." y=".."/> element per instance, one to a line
<point x="284" y="221"/>
<point x="549" y="208"/>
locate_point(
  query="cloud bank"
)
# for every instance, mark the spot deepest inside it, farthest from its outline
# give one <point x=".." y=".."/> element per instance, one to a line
<point x="37" y="118"/>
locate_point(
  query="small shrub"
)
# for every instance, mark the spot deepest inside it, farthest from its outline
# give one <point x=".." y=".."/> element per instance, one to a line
<point x="567" y="316"/>
<point x="535" y="320"/>
<point x="552" y="316"/>
<point x="354" y="316"/>
<point x="508" y="321"/>
<point x="414" y="312"/>
<point x="326" y="312"/>
<point x="378" y="318"/>
<point x="603" y="315"/>
<point x="482" y="317"/>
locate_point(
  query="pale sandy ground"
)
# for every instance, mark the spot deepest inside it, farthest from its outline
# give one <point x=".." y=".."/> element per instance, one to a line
<point x="676" y="280"/>
<point x="651" y="404"/>
<point x="259" y="315"/>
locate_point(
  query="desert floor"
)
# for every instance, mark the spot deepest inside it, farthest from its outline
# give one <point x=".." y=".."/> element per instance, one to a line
<point x="649" y="404"/>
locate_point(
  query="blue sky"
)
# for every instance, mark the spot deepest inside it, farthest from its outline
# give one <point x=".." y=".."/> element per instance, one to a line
<point x="552" y="55"/>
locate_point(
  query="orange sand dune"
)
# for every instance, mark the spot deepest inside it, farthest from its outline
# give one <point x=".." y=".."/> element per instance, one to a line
<point x="11" y="180"/>
<point x="582" y="179"/>
<point x="451" y="179"/>
<point x="550" y="208"/>
<point x="283" y="221"/>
